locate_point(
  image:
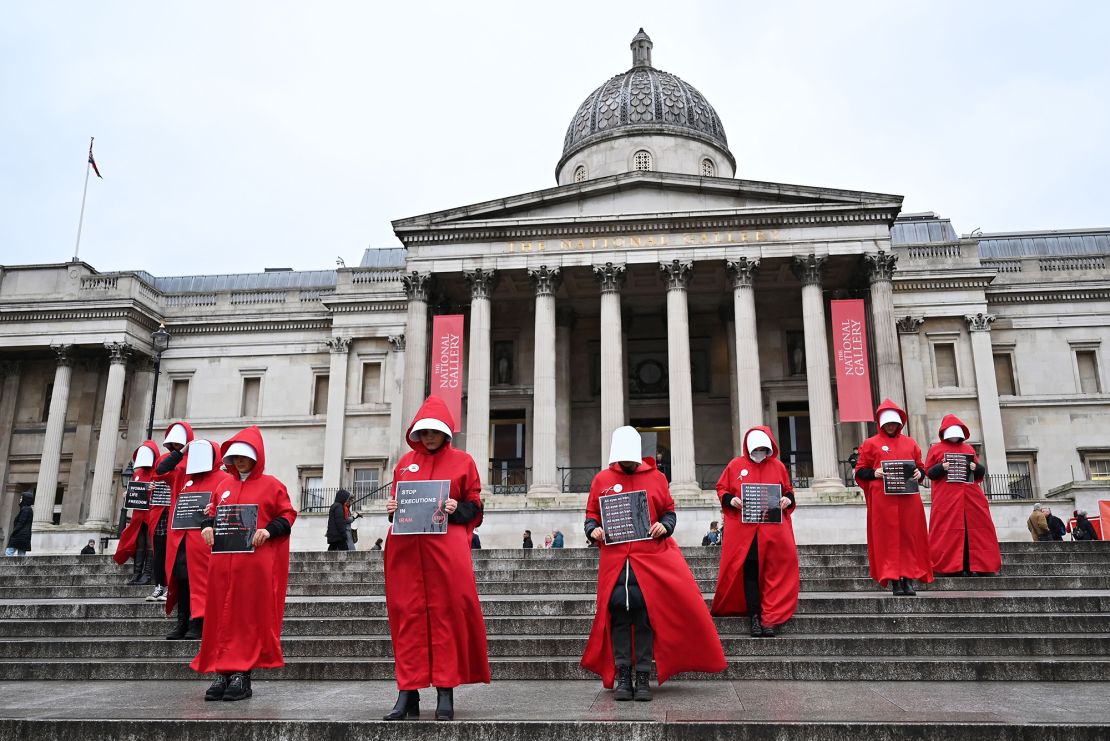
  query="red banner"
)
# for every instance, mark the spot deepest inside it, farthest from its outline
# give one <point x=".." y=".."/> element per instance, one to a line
<point x="853" y="377"/>
<point x="1104" y="518"/>
<point x="447" y="363"/>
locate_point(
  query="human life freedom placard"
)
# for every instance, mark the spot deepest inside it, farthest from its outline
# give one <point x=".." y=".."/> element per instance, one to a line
<point x="420" y="508"/>
<point x="625" y="517"/>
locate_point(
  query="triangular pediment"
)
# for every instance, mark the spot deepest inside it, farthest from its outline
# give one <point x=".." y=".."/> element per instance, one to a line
<point x="648" y="195"/>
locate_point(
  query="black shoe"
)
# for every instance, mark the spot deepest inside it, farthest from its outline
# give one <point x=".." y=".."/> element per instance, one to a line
<point x="623" y="690"/>
<point x="135" y="579"/>
<point x="768" y="631"/>
<point x="180" y="632"/>
<point x="238" y="687"/>
<point x="898" y="588"/>
<point x="907" y="587"/>
<point x="408" y="706"/>
<point x="143" y="580"/>
<point x="196" y="629"/>
<point x="643" y="691"/>
<point x="445" y="703"/>
<point x="757" y="627"/>
<point x="217" y="689"/>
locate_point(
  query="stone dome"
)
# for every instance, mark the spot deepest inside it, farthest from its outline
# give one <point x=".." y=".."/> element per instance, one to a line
<point x="644" y="100"/>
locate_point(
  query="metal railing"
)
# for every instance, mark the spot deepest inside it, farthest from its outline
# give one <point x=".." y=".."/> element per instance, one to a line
<point x="320" y="498"/>
<point x="576" y="479"/>
<point x="509" y="480"/>
<point x="707" y="474"/>
<point x="1008" y="486"/>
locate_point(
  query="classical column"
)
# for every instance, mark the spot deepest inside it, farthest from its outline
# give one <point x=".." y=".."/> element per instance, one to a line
<point x="748" y="386"/>
<point x="482" y="282"/>
<point x="822" y="433"/>
<point x="913" y="375"/>
<point x="684" y="479"/>
<point x="990" y="414"/>
<point x="728" y="319"/>
<point x="47" y="483"/>
<point x="336" y="421"/>
<point x="888" y="361"/>
<point x="416" y="355"/>
<point x="9" y="391"/>
<point x="103" y="490"/>
<point x="544" y="416"/>
<point x="396" y="390"/>
<point x="610" y="277"/>
<point x="564" y="326"/>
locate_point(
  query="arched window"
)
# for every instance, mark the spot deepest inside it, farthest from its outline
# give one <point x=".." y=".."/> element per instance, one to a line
<point x="579" y="173"/>
<point x="642" y="160"/>
<point x="708" y="169"/>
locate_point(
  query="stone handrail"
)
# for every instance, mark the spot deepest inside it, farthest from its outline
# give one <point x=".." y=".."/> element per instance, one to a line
<point x="258" y="297"/>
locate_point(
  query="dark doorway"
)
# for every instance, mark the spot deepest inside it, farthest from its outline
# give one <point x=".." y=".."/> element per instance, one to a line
<point x="508" y="473"/>
<point x="795" y="448"/>
<point x="656" y="437"/>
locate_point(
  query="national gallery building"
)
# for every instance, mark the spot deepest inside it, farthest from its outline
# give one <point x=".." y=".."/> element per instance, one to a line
<point x="650" y="286"/>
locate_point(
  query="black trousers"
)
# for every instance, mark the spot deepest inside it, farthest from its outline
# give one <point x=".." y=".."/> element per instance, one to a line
<point x="751" y="579"/>
<point x="337" y="546"/>
<point x="160" y="549"/>
<point x="181" y="574"/>
<point x="626" y="625"/>
<point x="144" y="557"/>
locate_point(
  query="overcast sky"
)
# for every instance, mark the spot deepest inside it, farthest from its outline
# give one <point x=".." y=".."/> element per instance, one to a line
<point x="234" y="136"/>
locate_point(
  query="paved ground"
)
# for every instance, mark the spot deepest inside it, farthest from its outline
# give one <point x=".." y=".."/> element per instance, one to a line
<point x="1003" y="703"/>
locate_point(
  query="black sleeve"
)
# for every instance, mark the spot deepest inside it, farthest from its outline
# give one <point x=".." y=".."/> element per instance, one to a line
<point x="169" y="462"/>
<point x="464" y="513"/>
<point x="937" y="472"/>
<point x="591" y="525"/>
<point x="865" y="474"/>
<point x="669" y="520"/>
<point x="278" y="526"/>
<point x="980" y="471"/>
<point x="208" y="522"/>
<point x="726" y="500"/>
<point x="789" y="494"/>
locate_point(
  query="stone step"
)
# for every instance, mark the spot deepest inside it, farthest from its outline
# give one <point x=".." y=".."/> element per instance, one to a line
<point x="1039" y="602"/>
<point x="861" y="667"/>
<point x="846" y="624"/>
<point x="913" y="647"/>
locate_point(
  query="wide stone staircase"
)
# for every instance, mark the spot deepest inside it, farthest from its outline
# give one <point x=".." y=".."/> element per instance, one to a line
<point x="1046" y="618"/>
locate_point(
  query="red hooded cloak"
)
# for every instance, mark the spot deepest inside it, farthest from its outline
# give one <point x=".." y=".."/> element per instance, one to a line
<point x="128" y="539"/>
<point x="197" y="552"/>
<point x="960" y="509"/>
<point x="431" y="594"/>
<point x="245" y="603"/>
<point x="778" y="554"/>
<point x="173" y="477"/>
<point x="685" y="638"/>
<point x="897" y="536"/>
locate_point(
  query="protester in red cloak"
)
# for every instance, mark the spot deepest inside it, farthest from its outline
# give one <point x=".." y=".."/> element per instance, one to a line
<point x="962" y="538"/>
<point x="245" y="602"/>
<point x="758" y="575"/>
<point x="644" y="587"/>
<point x="186" y="552"/>
<point x="897" y="537"/>
<point x="169" y="470"/>
<point x="431" y="594"/>
<point x="135" y="540"/>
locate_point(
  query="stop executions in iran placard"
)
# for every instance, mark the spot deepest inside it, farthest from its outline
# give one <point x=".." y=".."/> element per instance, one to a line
<point x="447" y="363"/>
<point x="853" y="376"/>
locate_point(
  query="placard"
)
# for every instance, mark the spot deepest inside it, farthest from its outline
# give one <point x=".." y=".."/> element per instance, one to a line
<point x="959" y="468"/>
<point x="625" y="517"/>
<point x="420" y="508"/>
<point x="189" y="511"/>
<point x="898" y="477"/>
<point x="235" y="526"/>
<point x="138" y="495"/>
<point x="760" y="503"/>
<point x="161" y="495"/>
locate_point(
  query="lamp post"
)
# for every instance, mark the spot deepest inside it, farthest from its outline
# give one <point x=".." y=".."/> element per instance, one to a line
<point x="160" y="340"/>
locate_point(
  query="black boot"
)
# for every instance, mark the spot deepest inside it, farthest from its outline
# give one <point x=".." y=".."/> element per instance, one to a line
<point x="623" y="690"/>
<point x="238" y="687"/>
<point x="445" y="703"/>
<point x="138" y="569"/>
<point x="643" y="691"/>
<point x="907" y="587"/>
<point x="408" y="706"/>
<point x="898" y="588"/>
<point x="768" y="631"/>
<point x="757" y="627"/>
<point x="217" y="689"/>
<point x="182" y="629"/>
<point x="196" y="629"/>
<point x="148" y="569"/>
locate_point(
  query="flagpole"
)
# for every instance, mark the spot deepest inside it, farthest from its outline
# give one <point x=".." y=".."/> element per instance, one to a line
<point x="84" y="193"/>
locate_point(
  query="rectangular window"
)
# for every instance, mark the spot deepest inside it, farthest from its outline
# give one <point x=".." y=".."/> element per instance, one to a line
<point x="1004" y="374"/>
<point x="1087" y="363"/>
<point x="252" y="387"/>
<point x="313" y="496"/>
<point x="179" y="398"/>
<point x="320" y="395"/>
<point x="1019" y="479"/>
<point x="944" y="355"/>
<point x="1097" y="464"/>
<point x="371" y="383"/>
<point x="366" y="480"/>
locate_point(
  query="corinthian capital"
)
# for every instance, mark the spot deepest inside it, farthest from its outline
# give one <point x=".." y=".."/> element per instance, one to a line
<point x="416" y="285"/>
<point x="481" y="281"/>
<point x="63" y="354"/>
<point x="118" y="352"/>
<point x="545" y="280"/>
<point x="979" y="322"/>
<point x="880" y="266"/>
<point x="808" y="269"/>
<point x="742" y="271"/>
<point x="910" y="324"/>
<point x="397" y="342"/>
<point x="610" y="277"/>
<point x="676" y="274"/>
<point x="338" y="344"/>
